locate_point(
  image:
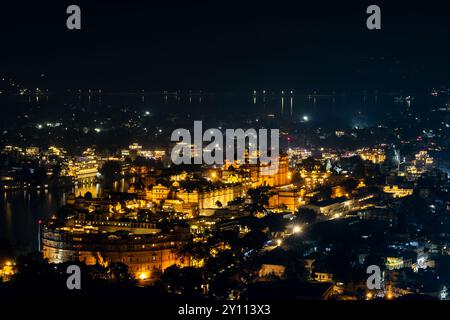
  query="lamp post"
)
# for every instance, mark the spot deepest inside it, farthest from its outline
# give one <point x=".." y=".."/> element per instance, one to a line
<point x="39" y="234"/>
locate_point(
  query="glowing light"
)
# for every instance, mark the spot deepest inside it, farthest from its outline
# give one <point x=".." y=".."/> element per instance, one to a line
<point x="305" y="118"/>
<point x="279" y="242"/>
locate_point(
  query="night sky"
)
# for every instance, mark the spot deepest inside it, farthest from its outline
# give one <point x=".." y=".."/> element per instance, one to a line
<point x="226" y="45"/>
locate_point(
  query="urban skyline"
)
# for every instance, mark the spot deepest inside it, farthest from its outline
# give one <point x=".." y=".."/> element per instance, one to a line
<point x="133" y="162"/>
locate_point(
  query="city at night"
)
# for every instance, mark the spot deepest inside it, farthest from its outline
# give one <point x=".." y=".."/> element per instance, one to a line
<point x="225" y="159"/>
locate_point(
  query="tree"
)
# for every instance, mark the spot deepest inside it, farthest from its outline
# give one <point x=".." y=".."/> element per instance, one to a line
<point x="296" y="270"/>
<point x="222" y="285"/>
<point x="183" y="281"/>
<point x="195" y="251"/>
<point x="275" y="222"/>
<point x="254" y="240"/>
<point x="325" y="193"/>
<point x="259" y="198"/>
<point x="120" y="273"/>
<point x="350" y="184"/>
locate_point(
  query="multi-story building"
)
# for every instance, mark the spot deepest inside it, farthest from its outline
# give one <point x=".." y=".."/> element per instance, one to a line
<point x="199" y="197"/>
<point x="141" y="246"/>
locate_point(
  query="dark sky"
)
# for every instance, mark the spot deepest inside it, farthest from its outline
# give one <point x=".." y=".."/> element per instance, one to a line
<point x="226" y="45"/>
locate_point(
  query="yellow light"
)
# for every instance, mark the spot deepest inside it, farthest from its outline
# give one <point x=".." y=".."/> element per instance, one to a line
<point x="297" y="229"/>
<point x="142" y="276"/>
<point x="369" y="295"/>
<point x="279" y="242"/>
<point x="8" y="263"/>
<point x="390" y="296"/>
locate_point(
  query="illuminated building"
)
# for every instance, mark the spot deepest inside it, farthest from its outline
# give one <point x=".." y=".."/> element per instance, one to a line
<point x="179" y="177"/>
<point x="289" y="197"/>
<point x="423" y="160"/>
<point x="323" y="276"/>
<point x="135" y="150"/>
<point x="268" y="270"/>
<point x="32" y="151"/>
<point x="189" y="200"/>
<point x="314" y="178"/>
<point x="135" y="146"/>
<point x="259" y="174"/>
<point x="208" y="198"/>
<point x="398" y="192"/>
<point x="313" y="173"/>
<point x="84" y="171"/>
<point x="393" y="263"/>
<point x="56" y="151"/>
<point x="373" y="155"/>
<point x="334" y="207"/>
<point x="7" y="270"/>
<point x="275" y="177"/>
<point x="194" y="150"/>
<point x="340" y="191"/>
<point x="298" y="154"/>
<point x="157" y="193"/>
<point x="233" y="173"/>
<point x="10" y="149"/>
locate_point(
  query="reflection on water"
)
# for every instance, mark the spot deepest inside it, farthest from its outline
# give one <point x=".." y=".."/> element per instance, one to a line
<point x="21" y="210"/>
<point x="332" y="107"/>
